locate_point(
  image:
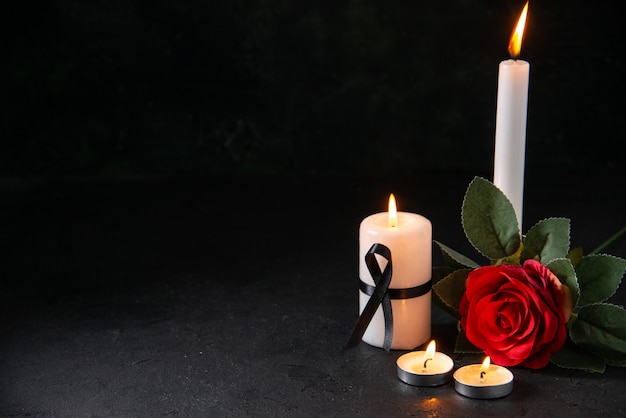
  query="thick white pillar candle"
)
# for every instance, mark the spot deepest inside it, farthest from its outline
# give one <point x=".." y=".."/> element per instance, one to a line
<point x="511" y="111"/>
<point x="410" y="243"/>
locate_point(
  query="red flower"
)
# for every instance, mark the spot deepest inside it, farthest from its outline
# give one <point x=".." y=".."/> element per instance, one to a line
<point x="516" y="314"/>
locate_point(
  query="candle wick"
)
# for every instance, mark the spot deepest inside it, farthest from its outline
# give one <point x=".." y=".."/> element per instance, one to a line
<point x="426" y="361"/>
<point x="482" y="377"/>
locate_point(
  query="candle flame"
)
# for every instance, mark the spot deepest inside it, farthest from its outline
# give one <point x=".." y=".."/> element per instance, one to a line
<point x="515" y="44"/>
<point x="485" y="366"/>
<point x="430" y="352"/>
<point x="393" y="213"/>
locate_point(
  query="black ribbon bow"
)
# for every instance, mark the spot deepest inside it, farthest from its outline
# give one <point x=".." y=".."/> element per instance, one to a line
<point x="381" y="294"/>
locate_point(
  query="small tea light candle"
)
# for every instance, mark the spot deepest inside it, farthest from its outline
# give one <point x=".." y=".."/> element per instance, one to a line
<point x="425" y="368"/>
<point x="483" y="381"/>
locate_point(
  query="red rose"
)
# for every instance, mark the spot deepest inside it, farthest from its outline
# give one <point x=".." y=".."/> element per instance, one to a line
<point x="516" y="314"/>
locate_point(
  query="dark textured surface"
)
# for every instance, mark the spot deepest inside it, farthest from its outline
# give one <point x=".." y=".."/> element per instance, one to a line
<point x="233" y="297"/>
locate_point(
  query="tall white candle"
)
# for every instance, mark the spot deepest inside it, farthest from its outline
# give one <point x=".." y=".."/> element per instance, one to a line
<point x="512" y="105"/>
<point x="410" y="242"/>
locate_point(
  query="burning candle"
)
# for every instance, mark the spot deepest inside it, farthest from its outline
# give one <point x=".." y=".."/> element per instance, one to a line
<point x="483" y="381"/>
<point x="425" y="368"/>
<point x="512" y="104"/>
<point x="409" y="238"/>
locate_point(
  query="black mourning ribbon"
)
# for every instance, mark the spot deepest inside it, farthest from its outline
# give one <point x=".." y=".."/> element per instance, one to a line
<point x="381" y="294"/>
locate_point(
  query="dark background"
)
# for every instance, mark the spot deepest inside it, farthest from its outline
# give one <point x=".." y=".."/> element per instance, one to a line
<point x="131" y="88"/>
<point x="166" y="241"/>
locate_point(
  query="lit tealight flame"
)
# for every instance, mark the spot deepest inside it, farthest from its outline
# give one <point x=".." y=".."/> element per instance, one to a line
<point x="515" y="44"/>
<point x="392" y="214"/>
<point x="484" y="368"/>
<point x="430" y="353"/>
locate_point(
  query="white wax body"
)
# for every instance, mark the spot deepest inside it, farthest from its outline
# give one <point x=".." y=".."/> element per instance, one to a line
<point x="411" y="254"/>
<point x="413" y="362"/>
<point x="510" y="147"/>
<point x="495" y="376"/>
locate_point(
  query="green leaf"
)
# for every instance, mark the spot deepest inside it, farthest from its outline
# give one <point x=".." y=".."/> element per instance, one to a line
<point x="463" y="345"/>
<point x="438" y="274"/>
<point x="573" y="357"/>
<point x="454" y="259"/>
<point x="489" y="220"/>
<point x="575" y="255"/>
<point x="599" y="277"/>
<point x="548" y="239"/>
<point x="564" y="270"/>
<point x="450" y="290"/>
<point x="601" y="329"/>
<point x="618" y="363"/>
